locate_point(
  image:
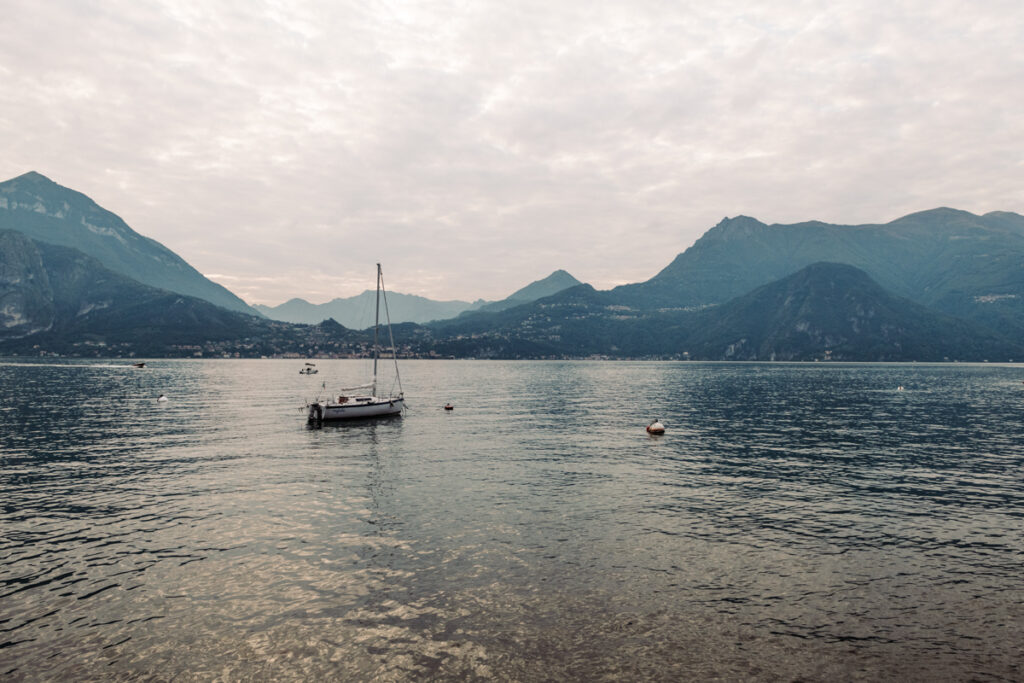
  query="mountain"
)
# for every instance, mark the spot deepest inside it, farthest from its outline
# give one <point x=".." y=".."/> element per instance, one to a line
<point x="47" y="212"/>
<point x="966" y="265"/>
<point x="558" y="281"/>
<point x="358" y="311"/>
<point x="59" y="300"/>
<point x="929" y="286"/>
<point x="578" y="321"/>
<point x="62" y="292"/>
<point x="824" y="311"/>
<point x="836" y="311"/>
<point x="26" y="297"/>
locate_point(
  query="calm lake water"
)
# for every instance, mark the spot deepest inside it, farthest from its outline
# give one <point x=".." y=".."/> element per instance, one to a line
<point x="802" y="522"/>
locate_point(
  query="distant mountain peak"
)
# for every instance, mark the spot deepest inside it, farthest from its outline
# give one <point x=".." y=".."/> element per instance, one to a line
<point x="33" y="176"/>
<point x="941" y="212"/>
<point x="39" y="185"/>
<point x="834" y="311"/>
<point x="1003" y="214"/>
<point x="35" y="192"/>
<point x="735" y="228"/>
<point x="552" y="284"/>
<point x="738" y="220"/>
<point x="331" y="325"/>
<point x="821" y="271"/>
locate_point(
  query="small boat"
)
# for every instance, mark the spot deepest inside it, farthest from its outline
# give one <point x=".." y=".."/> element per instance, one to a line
<point x="449" y="406"/>
<point x="308" y="371"/>
<point x="364" y="401"/>
<point x="656" y="427"/>
<point x="161" y="399"/>
<point x="138" y="365"/>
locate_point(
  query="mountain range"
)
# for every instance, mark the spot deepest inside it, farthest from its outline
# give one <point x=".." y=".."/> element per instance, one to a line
<point x="58" y="300"/>
<point x="935" y="285"/>
<point x="358" y="311"/>
<point x="825" y="311"/>
<point x="953" y="261"/>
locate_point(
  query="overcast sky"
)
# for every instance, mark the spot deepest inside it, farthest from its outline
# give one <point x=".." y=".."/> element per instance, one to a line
<point x="282" y="147"/>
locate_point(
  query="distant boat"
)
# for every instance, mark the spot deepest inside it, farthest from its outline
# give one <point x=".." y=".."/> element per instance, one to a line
<point x="364" y="401"/>
<point x="309" y="370"/>
<point x="139" y="365"/>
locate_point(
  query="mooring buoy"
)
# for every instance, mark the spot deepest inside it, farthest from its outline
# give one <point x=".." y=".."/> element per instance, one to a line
<point x="656" y="427"/>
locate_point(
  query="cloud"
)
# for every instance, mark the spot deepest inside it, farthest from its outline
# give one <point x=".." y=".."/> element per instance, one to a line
<point x="473" y="147"/>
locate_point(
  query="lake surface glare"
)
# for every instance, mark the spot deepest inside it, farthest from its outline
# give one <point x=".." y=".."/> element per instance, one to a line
<point x="796" y="522"/>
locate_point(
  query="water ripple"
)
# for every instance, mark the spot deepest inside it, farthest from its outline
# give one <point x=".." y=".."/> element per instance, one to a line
<point x="796" y="522"/>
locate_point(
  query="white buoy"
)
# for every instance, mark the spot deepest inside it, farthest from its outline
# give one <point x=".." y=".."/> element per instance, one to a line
<point x="162" y="399"/>
<point x="656" y="427"/>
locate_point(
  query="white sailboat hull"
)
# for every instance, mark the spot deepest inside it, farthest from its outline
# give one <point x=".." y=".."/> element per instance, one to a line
<point x="326" y="411"/>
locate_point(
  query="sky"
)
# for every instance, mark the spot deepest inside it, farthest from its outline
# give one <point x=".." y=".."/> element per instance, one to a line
<point x="282" y="147"/>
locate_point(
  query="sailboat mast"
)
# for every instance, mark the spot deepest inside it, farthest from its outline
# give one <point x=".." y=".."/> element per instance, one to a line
<point x="376" y="325"/>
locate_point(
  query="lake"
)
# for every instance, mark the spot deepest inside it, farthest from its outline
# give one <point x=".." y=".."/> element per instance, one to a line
<point x="796" y="522"/>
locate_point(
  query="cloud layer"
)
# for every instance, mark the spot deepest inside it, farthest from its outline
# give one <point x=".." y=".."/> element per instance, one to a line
<point x="284" y="147"/>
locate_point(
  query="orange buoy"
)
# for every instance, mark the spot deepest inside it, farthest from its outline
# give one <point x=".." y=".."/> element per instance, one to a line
<point x="656" y="427"/>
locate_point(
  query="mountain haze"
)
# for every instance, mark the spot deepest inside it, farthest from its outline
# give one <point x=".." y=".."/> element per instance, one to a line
<point x="357" y="312"/>
<point x="47" y="212"/>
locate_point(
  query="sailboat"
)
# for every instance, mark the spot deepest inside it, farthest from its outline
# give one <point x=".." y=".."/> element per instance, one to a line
<point x="365" y="400"/>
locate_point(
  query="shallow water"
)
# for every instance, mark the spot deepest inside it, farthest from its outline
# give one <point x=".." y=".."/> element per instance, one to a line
<point x="796" y="522"/>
